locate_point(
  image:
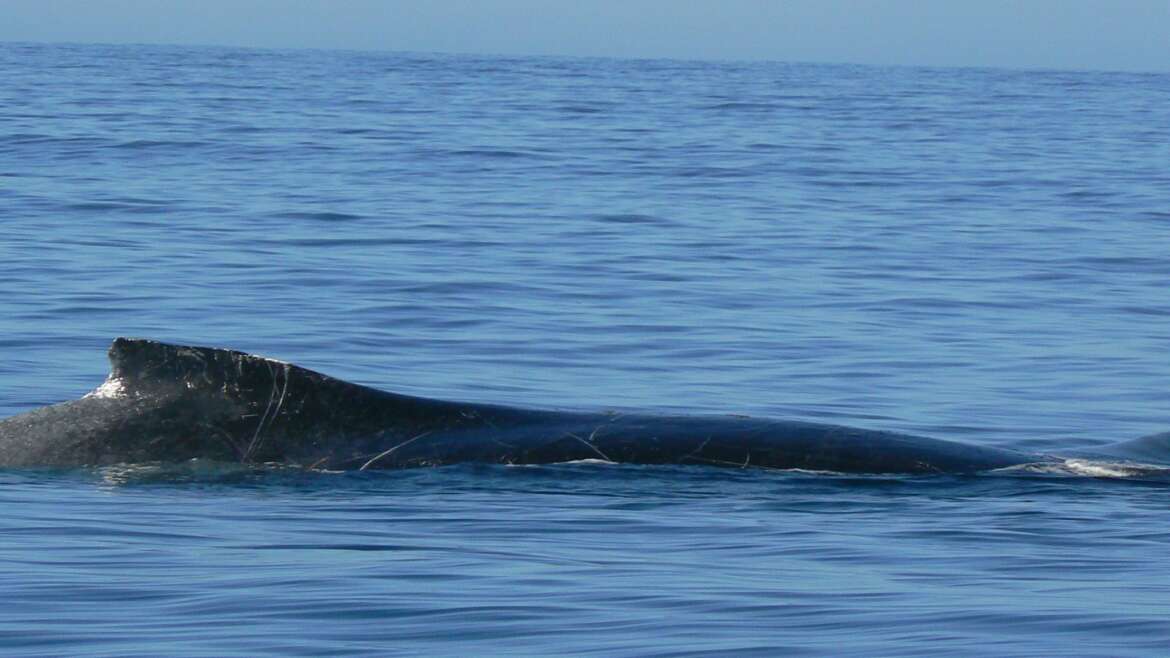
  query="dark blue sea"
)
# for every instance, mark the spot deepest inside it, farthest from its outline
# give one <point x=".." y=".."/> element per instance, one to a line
<point x="975" y="254"/>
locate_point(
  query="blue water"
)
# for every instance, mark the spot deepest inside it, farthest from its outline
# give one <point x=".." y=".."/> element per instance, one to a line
<point x="980" y="255"/>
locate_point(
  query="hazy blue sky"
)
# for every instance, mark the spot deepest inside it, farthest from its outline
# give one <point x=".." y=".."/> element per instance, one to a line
<point x="1077" y="34"/>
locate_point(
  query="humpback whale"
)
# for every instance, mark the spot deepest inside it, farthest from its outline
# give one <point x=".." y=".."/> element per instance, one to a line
<point x="172" y="403"/>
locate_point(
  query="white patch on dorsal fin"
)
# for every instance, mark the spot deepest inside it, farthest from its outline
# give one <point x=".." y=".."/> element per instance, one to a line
<point x="112" y="388"/>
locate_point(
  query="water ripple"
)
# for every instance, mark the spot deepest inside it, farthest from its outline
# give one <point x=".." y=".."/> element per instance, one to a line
<point x="974" y="254"/>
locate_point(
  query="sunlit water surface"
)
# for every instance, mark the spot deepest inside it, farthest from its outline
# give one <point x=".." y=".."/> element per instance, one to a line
<point x="978" y="255"/>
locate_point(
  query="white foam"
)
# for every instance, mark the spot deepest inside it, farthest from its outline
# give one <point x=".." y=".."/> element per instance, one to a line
<point x="813" y="471"/>
<point x="1104" y="469"/>
<point x="1090" y="468"/>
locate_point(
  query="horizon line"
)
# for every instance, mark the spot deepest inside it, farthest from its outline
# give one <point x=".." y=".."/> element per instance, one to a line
<point x="1024" y="68"/>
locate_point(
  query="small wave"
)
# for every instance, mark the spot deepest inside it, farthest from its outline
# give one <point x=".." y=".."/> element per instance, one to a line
<point x="324" y="216"/>
<point x="739" y="105"/>
<point x="633" y="218"/>
<point x="126" y="206"/>
<point x="491" y="153"/>
<point x="581" y="109"/>
<point x="138" y="144"/>
<point x="193" y="471"/>
<point x="27" y="138"/>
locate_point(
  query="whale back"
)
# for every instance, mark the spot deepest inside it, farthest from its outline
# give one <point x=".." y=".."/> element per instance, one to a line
<point x="1150" y="448"/>
<point x="171" y="403"/>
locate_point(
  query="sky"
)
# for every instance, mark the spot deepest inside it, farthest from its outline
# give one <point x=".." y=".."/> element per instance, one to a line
<point x="1125" y="35"/>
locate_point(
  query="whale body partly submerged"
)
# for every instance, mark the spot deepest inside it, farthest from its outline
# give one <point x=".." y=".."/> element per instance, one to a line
<point x="172" y="403"/>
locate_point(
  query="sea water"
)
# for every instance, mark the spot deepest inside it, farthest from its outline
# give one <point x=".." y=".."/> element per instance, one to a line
<point x="974" y="254"/>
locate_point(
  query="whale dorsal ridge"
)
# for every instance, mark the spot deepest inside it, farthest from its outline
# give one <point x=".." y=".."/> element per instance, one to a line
<point x="142" y="367"/>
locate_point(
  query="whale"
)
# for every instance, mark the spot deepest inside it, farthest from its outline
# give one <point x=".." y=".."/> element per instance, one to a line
<point x="172" y="403"/>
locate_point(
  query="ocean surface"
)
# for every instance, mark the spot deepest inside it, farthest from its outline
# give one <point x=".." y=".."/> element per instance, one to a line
<point x="974" y="254"/>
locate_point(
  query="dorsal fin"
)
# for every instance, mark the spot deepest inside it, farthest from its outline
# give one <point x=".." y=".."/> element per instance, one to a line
<point x="142" y="367"/>
<point x="139" y="366"/>
<point x="266" y="408"/>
